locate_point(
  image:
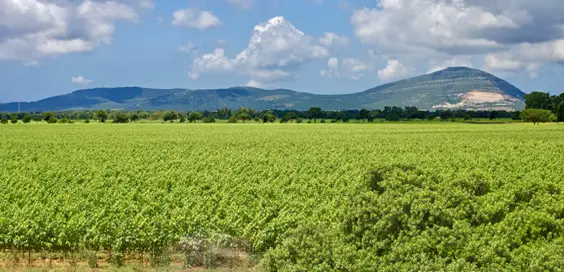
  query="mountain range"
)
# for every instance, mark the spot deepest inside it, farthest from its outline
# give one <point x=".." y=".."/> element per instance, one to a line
<point x="451" y="88"/>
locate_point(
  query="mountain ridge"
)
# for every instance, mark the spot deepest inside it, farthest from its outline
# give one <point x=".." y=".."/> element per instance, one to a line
<point x="453" y="87"/>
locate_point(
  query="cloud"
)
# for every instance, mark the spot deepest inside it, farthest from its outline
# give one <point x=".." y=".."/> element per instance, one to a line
<point x="527" y="57"/>
<point x="148" y="4"/>
<point x="393" y="70"/>
<point x="190" y="48"/>
<point x="499" y="29"/>
<point x="331" y="39"/>
<point x="33" y="29"/>
<point x="244" y="4"/>
<point x="81" y="80"/>
<point x="215" y="62"/>
<point x="192" y="18"/>
<point x="437" y="65"/>
<point x="255" y="84"/>
<point x="350" y="68"/>
<point x="276" y="49"/>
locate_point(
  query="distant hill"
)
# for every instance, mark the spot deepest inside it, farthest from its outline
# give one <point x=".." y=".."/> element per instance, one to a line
<point x="452" y="88"/>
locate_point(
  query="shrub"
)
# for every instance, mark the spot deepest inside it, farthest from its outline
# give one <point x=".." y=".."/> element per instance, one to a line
<point x="121" y="118"/>
<point x="26" y="119"/>
<point x="14" y="119"/>
<point x="4" y="120"/>
<point x="63" y="120"/>
<point x="52" y="120"/>
<point x="87" y="121"/>
<point x="232" y="119"/>
<point x="209" y="119"/>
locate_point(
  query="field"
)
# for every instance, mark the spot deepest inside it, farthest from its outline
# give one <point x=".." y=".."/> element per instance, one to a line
<point x="301" y="197"/>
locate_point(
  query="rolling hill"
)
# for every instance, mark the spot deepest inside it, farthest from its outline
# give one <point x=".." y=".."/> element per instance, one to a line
<point x="455" y="87"/>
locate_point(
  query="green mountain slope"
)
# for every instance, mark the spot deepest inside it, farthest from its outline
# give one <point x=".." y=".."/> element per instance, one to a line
<point x="456" y="87"/>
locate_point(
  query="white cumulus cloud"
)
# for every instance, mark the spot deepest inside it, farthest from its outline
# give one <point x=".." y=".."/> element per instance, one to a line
<point x="393" y="70"/>
<point x="33" y="29"/>
<point x="193" y="18"/>
<point x="276" y="49"/>
<point x="350" y="68"/>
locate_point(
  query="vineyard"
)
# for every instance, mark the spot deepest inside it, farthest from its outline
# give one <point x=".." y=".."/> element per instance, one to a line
<point x="302" y="197"/>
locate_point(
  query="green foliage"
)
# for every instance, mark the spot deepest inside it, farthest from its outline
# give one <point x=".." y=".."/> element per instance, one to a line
<point x="63" y="120"/>
<point x="101" y="116"/>
<point x="560" y="112"/>
<point x="394" y="197"/>
<point x="121" y="118"/>
<point x="538" y="100"/>
<point x="536" y="116"/>
<point x="26" y="119"/>
<point x="244" y="117"/>
<point x="52" y="120"/>
<point x="314" y="113"/>
<point x="133" y="116"/>
<point x="4" y="120"/>
<point x="233" y="119"/>
<point x="209" y="119"/>
<point x="14" y="119"/>
<point x="269" y="118"/>
<point x="392" y="118"/>
<point x="87" y="121"/>
<point x="195" y="116"/>
<point x="47" y="116"/>
<point x="170" y="116"/>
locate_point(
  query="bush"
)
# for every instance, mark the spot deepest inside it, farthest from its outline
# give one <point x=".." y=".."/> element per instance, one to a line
<point x="232" y="119"/>
<point x="52" y="120"/>
<point x="87" y="121"/>
<point x="26" y="119"/>
<point x="14" y="119"/>
<point x="209" y="119"/>
<point x="63" y="120"/>
<point x="299" y="121"/>
<point x="323" y="121"/>
<point x="4" y="120"/>
<point x="121" y="118"/>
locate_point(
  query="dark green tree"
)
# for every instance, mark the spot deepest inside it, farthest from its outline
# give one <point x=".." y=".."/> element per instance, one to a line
<point x="195" y="116"/>
<point x="364" y="114"/>
<point x="170" y="116"/>
<point x="560" y="112"/>
<point x="121" y="118"/>
<point x="538" y="100"/>
<point x="244" y="117"/>
<point x="101" y="116"/>
<point x="536" y="116"/>
<point x="314" y="113"/>
<point x="133" y="116"/>
<point x="14" y="119"/>
<point x="269" y="118"/>
<point x="52" y="120"/>
<point x="4" y="120"/>
<point x="47" y="116"/>
<point x="27" y="118"/>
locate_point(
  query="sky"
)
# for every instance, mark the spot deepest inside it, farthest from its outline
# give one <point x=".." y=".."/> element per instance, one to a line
<point x="53" y="47"/>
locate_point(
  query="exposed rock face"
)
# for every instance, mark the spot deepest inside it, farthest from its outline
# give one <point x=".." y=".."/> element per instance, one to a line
<point x="452" y="88"/>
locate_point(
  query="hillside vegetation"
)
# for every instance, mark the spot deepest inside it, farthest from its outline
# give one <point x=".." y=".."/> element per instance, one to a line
<point x="452" y="88"/>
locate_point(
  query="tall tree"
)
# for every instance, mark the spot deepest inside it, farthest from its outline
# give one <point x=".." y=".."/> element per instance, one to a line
<point x="560" y="112"/>
<point x="101" y="116"/>
<point x="314" y="113"/>
<point x="536" y="116"/>
<point x="538" y="100"/>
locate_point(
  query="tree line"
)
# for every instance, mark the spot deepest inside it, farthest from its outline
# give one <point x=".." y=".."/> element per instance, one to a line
<point x="540" y="107"/>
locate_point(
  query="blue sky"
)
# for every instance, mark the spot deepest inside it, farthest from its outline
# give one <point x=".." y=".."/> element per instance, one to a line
<point x="332" y="46"/>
